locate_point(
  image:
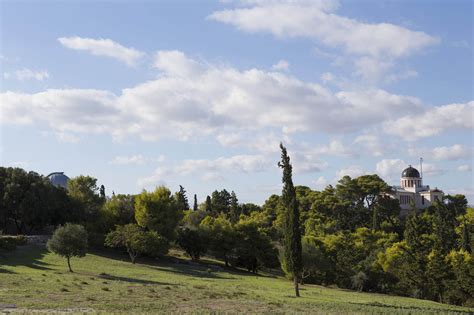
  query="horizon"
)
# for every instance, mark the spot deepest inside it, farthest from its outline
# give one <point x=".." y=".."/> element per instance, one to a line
<point x="144" y="94"/>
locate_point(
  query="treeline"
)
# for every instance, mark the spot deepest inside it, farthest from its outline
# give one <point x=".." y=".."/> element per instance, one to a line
<point x="352" y="233"/>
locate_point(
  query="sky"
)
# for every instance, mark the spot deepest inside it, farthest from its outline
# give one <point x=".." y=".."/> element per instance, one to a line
<point x="200" y="93"/>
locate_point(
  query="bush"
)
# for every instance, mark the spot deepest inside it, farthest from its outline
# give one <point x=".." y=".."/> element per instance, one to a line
<point x="69" y="241"/>
<point x="11" y="242"/>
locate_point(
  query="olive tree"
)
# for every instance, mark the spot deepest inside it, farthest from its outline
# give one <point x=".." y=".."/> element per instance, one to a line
<point x="69" y="241"/>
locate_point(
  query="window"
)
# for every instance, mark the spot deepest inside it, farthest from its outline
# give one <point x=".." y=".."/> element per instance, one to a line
<point x="422" y="200"/>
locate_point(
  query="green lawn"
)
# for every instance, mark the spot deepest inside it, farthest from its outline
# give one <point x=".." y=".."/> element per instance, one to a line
<point x="34" y="279"/>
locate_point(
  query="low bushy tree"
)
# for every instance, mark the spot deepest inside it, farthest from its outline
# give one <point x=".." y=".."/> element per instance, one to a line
<point x="193" y="242"/>
<point x="136" y="241"/>
<point x="69" y="241"/>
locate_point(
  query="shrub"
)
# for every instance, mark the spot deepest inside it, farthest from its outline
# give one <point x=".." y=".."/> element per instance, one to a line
<point x="11" y="242"/>
<point x="69" y="241"/>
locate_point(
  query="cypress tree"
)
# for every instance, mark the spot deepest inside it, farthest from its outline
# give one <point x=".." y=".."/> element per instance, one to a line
<point x="102" y="191"/>
<point x="195" y="206"/>
<point x="182" y="199"/>
<point x="466" y="239"/>
<point x="208" y="207"/>
<point x="292" y="233"/>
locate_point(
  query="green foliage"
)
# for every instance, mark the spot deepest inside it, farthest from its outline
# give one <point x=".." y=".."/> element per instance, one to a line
<point x="158" y="211"/>
<point x="137" y="241"/>
<point x="222" y="237"/>
<point x="29" y="202"/>
<point x="195" y="205"/>
<point x="69" y="241"/>
<point x="118" y="210"/>
<point x="193" y="242"/>
<point x="84" y="193"/>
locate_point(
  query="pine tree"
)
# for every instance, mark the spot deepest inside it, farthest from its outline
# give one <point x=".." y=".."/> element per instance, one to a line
<point x="292" y="233"/>
<point x="195" y="206"/>
<point x="234" y="207"/>
<point x="182" y="199"/>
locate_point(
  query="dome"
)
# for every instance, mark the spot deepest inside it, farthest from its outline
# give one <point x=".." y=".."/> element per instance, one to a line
<point x="410" y="172"/>
<point x="58" y="179"/>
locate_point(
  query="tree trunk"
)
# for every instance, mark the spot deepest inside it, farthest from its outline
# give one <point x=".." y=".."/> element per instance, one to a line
<point x="69" y="264"/>
<point x="297" y="288"/>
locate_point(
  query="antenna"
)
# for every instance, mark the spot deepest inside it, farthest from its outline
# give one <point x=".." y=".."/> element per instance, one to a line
<point x="421" y="166"/>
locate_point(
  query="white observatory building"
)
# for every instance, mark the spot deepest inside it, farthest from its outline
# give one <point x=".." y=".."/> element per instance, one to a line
<point x="412" y="192"/>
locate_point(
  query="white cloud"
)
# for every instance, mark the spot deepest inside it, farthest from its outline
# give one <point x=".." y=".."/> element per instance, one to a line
<point x="209" y="169"/>
<point x="320" y="182"/>
<point x="390" y="169"/>
<point x="281" y="65"/>
<point x="317" y="20"/>
<point x="395" y="77"/>
<point x="103" y="47"/>
<point x="433" y="121"/>
<point x="352" y="171"/>
<point x="27" y="74"/>
<point x="67" y="137"/>
<point x="193" y="99"/>
<point x="327" y="77"/>
<point x="464" y="168"/>
<point x="444" y="153"/>
<point x="335" y="147"/>
<point x="136" y="159"/>
<point x="372" y="144"/>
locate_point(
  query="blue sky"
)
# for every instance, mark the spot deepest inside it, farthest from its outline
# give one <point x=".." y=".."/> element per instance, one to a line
<point x="143" y="93"/>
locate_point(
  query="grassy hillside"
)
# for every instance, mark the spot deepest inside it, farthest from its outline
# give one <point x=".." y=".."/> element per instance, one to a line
<point x="32" y="278"/>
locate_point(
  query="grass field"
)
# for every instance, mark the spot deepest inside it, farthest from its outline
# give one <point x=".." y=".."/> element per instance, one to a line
<point x="34" y="279"/>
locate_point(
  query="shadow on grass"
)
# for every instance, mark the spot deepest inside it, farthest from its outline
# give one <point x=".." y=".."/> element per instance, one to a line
<point x="28" y="256"/>
<point x="410" y="308"/>
<point x="205" y="269"/>
<point x="132" y="280"/>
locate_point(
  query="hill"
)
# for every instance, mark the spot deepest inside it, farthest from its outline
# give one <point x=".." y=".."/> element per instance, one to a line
<point x="33" y="279"/>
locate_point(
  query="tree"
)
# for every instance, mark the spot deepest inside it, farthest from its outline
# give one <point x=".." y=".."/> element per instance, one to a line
<point x="118" y="210"/>
<point x="292" y="232"/>
<point x="222" y="237"/>
<point x="181" y="199"/>
<point x="102" y="191"/>
<point x="137" y="241"/>
<point x="195" y="206"/>
<point x="234" y="207"/>
<point x="69" y="241"/>
<point x="85" y="196"/>
<point x="158" y="211"/>
<point x="466" y="238"/>
<point x="193" y="242"/>
<point x="208" y="205"/>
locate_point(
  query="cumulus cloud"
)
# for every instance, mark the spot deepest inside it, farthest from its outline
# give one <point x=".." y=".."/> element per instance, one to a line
<point x="443" y="153"/>
<point x="192" y="98"/>
<point x="27" y="74"/>
<point x="464" y="168"/>
<point x="335" y="147"/>
<point x="433" y="121"/>
<point x="373" y="46"/>
<point x="372" y="144"/>
<point x="352" y="171"/>
<point x="281" y="65"/>
<point x="317" y="20"/>
<point x="209" y="169"/>
<point x="103" y="47"/>
<point x="390" y="169"/>
<point x="136" y="159"/>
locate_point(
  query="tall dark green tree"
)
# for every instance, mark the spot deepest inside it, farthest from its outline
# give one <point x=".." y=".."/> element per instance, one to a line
<point x="195" y="206"/>
<point x="466" y="238"/>
<point x="208" y="205"/>
<point x="234" y="207"/>
<point x="292" y="232"/>
<point x="102" y="191"/>
<point x="181" y="198"/>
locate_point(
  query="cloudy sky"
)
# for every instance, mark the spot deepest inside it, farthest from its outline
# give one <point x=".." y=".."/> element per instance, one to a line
<point x="200" y="93"/>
